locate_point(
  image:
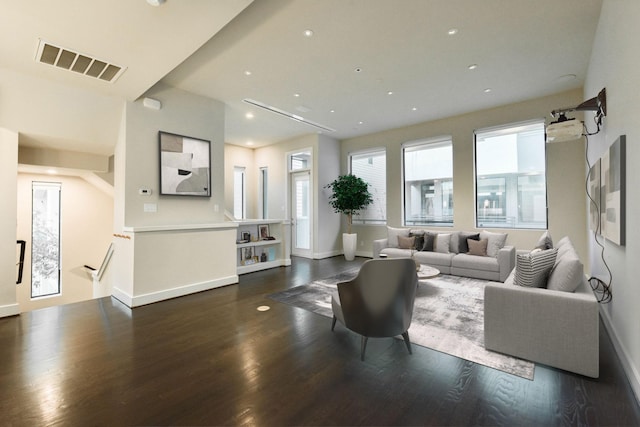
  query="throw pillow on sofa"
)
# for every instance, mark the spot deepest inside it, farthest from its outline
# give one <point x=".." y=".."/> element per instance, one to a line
<point x="429" y="241"/>
<point x="392" y="235"/>
<point x="419" y="239"/>
<point x="477" y="247"/>
<point x="545" y="241"/>
<point x="568" y="271"/>
<point x="463" y="246"/>
<point x="406" y="242"/>
<point x="532" y="269"/>
<point x="442" y="243"/>
<point x="496" y="242"/>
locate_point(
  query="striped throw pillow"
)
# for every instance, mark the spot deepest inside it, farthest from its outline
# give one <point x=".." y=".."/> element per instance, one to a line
<point x="532" y="269"/>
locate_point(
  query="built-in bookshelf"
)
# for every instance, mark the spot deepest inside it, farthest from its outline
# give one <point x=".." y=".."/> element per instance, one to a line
<point x="262" y="244"/>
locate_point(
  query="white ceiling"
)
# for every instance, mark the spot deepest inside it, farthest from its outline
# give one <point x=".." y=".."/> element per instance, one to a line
<point x="523" y="49"/>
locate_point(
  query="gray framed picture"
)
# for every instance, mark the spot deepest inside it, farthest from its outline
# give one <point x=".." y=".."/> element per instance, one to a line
<point x="185" y="165"/>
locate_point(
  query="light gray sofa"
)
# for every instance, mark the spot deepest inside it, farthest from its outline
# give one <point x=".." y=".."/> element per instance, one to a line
<point x="558" y="328"/>
<point x="495" y="268"/>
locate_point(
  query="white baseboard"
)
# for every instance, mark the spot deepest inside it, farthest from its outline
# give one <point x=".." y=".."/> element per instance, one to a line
<point x="9" y="310"/>
<point x="329" y="254"/>
<point x="365" y="254"/>
<point x="627" y="362"/>
<point x="144" y="299"/>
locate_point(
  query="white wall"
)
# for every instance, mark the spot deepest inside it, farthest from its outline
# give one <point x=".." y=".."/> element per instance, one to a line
<point x="8" y="221"/>
<point x="183" y="239"/>
<point x="614" y="64"/>
<point x="86" y="224"/>
<point x="565" y="170"/>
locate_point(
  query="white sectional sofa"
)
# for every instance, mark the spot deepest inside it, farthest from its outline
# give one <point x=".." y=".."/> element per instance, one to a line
<point x="494" y="264"/>
<point x="556" y="324"/>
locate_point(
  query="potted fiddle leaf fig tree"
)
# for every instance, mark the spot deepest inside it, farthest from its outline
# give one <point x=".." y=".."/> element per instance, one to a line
<point x="349" y="194"/>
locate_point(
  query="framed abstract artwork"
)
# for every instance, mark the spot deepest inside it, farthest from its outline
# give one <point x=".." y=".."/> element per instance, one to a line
<point x="612" y="195"/>
<point x="185" y="165"/>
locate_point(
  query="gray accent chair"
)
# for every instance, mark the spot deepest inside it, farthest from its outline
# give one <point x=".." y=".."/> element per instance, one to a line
<point x="378" y="302"/>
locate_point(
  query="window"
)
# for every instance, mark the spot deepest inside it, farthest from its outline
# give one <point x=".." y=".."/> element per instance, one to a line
<point x="299" y="161"/>
<point x="372" y="168"/>
<point x="239" y="199"/>
<point x="264" y="185"/>
<point x="511" y="190"/>
<point x="45" y="239"/>
<point x="428" y="183"/>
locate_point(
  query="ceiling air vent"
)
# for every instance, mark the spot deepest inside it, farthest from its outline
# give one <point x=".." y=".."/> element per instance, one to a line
<point x="67" y="59"/>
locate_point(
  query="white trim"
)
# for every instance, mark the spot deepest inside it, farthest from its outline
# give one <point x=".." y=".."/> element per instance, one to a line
<point x="9" y="310"/>
<point x="627" y="362"/>
<point x="179" y="227"/>
<point x="165" y="294"/>
<point x="427" y="141"/>
<point x="509" y="126"/>
<point x="328" y="254"/>
<point x="366" y="151"/>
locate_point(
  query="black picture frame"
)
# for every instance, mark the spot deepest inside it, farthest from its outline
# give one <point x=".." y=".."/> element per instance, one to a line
<point x="185" y="165"/>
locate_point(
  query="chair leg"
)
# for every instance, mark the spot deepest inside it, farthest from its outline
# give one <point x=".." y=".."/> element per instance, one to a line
<point x="363" y="347"/>
<point x="333" y="323"/>
<point x="406" y="341"/>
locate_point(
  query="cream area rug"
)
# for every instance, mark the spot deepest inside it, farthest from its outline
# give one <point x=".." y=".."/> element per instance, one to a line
<point x="448" y="316"/>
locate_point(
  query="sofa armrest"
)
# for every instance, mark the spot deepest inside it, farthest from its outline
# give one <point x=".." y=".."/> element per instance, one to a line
<point x="555" y="328"/>
<point x="379" y="245"/>
<point x="506" y="261"/>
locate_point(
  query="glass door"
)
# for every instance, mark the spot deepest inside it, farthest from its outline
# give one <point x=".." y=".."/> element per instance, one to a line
<point x="301" y="218"/>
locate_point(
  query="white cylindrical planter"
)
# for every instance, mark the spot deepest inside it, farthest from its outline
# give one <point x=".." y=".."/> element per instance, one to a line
<point x="349" y="244"/>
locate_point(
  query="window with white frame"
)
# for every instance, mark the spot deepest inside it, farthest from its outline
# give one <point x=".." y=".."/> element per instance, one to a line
<point x="239" y="197"/>
<point x="428" y="182"/>
<point x="371" y="166"/>
<point x="264" y="182"/>
<point x="511" y="189"/>
<point x="45" y="239"/>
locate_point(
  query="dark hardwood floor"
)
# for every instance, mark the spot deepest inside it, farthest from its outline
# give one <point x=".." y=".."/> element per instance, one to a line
<point x="213" y="359"/>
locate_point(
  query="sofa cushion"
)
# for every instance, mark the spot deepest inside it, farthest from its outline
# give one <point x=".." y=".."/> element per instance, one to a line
<point x="434" y="259"/>
<point x="406" y="242"/>
<point x="473" y="262"/>
<point x="496" y="241"/>
<point x="454" y="241"/>
<point x="393" y="233"/>
<point x="429" y="241"/>
<point x="463" y="246"/>
<point x="533" y="269"/>
<point x="477" y="247"/>
<point x="568" y="271"/>
<point x="442" y="243"/>
<point x="545" y="241"/>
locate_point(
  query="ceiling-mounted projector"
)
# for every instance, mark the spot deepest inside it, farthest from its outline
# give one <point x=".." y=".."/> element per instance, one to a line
<point x="564" y="130"/>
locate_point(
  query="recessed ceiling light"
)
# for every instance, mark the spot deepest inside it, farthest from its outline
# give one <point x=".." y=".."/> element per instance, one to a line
<point x="297" y="95"/>
<point x="360" y="123"/>
<point x="414" y="109"/>
<point x="249" y="142"/>
<point x="358" y="70"/>
<point x="473" y="66"/>
<point x="390" y="93"/>
<point x="156" y="2"/>
<point x="308" y="33"/>
<point x="332" y="111"/>
<point x="263" y="308"/>
<point x="247" y="73"/>
<point x="487" y="90"/>
<point x="452" y="31"/>
<point x="249" y="115"/>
